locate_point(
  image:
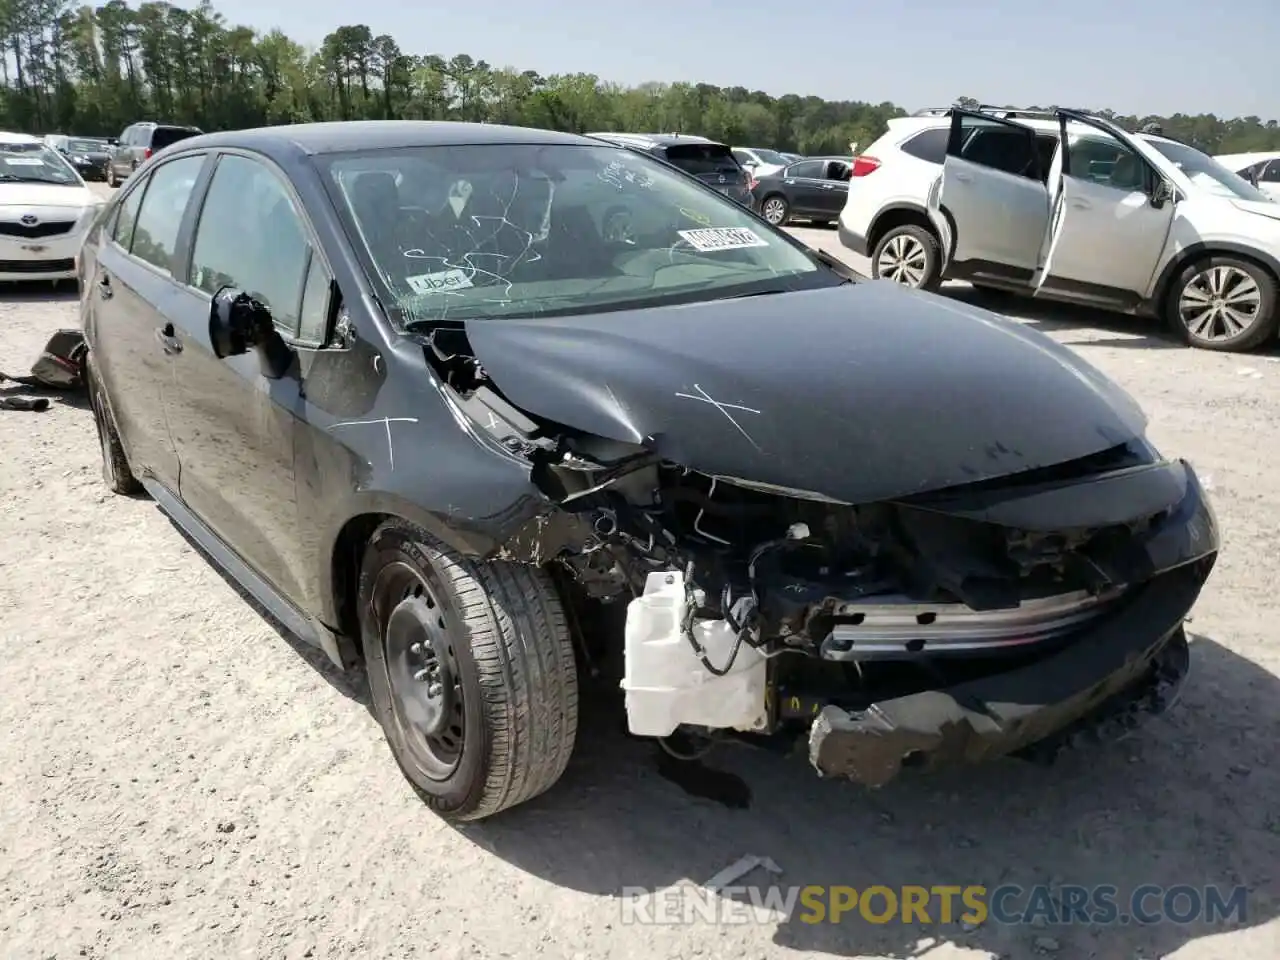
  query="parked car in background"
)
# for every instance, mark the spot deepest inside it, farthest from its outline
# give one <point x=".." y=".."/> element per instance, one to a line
<point x="138" y="142"/>
<point x="1136" y="223"/>
<point x="759" y="161"/>
<point x="405" y="386"/>
<point x="711" y="162"/>
<point x="45" y="210"/>
<point x="1260" y="169"/>
<point x="814" y="188"/>
<point x="89" y="155"/>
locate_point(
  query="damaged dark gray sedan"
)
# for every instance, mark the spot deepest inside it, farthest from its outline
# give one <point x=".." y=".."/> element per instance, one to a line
<point x="481" y="409"/>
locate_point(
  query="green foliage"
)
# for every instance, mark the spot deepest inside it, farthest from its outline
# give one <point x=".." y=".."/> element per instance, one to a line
<point x="93" y="71"/>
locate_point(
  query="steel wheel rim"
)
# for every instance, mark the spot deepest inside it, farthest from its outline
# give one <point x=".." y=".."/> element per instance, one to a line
<point x="1219" y="303"/>
<point x="432" y="723"/>
<point x="774" y="210"/>
<point x="903" y="260"/>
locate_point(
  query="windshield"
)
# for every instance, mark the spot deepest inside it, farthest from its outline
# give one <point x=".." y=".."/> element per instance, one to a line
<point x="86" y="146"/>
<point x="513" y="230"/>
<point x="35" y="163"/>
<point x="771" y="156"/>
<point x="1207" y="173"/>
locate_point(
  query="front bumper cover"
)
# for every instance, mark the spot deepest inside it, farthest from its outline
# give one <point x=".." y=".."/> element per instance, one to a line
<point x="1132" y="663"/>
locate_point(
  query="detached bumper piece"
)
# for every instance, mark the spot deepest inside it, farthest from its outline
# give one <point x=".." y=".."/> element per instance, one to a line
<point x="1120" y="668"/>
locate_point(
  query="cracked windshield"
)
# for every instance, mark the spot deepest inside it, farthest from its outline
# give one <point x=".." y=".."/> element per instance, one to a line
<point x="507" y="230"/>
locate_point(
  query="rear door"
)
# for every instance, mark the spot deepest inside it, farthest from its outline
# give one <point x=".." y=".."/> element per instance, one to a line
<point x="233" y="427"/>
<point x="133" y="295"/>
<point x="1109" y="227"/>
<point x="991" y="199"/>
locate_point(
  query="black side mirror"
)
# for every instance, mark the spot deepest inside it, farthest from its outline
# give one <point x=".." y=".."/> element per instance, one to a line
<point x="239" y="323"/>
<point x="1162" y="193"/>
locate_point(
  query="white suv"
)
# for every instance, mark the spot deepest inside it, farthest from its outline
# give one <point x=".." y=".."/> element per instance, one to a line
<point x="1139" y="224"/>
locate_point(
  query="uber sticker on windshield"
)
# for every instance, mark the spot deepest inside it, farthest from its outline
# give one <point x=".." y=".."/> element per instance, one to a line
<point x="441" y="282"/>
<point x="722" y="238"/>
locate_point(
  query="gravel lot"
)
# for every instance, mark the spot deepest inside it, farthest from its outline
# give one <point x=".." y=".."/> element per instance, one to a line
<point x="179" y="779"/>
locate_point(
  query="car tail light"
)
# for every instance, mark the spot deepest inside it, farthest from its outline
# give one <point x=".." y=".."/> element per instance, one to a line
<point x="864" y="165"/>
<point x="146" y="154"/>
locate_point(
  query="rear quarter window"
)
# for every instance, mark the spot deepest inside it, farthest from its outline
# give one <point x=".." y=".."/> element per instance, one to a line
<point x="699" y="158"/>
<point x="929" y="145"/>
<point x="163" y="136"/>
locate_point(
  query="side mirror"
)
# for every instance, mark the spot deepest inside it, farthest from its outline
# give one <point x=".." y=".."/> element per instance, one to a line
<point x="1162" y="193"/>
<point x="239" y="323"/>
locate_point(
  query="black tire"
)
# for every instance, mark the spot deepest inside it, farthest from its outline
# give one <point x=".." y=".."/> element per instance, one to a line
<point x="1261" y="319"/>
<point x="508" y="714"/>
<point x="116" y="472"/>
<point x="775" y="209"/>
<point x="930" y="273"/>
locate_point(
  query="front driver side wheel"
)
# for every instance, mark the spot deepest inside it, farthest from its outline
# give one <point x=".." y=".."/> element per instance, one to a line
<point x="471" y="671"/>
<point x="1223" y="303"/>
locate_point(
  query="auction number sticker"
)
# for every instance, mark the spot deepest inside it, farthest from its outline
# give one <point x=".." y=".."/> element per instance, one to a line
<point x="722" y="238"/>
<point x="445" y="280"/>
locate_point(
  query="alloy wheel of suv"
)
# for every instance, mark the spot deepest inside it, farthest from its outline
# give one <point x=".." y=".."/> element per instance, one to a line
<point x="1224" y="303"/>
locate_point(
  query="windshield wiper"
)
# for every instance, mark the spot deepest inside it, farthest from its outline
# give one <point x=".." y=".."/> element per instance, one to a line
<point x="14" y="178"/>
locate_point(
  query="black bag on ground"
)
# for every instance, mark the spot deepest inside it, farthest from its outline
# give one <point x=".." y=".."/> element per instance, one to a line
<point x="60" y="365"/>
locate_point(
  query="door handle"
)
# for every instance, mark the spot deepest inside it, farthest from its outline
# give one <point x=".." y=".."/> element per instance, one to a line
<point x="964" y="177"/>
<point x="104" y="287"/>
<point x="1081" y="204"/>
<point x="168" y="339"/>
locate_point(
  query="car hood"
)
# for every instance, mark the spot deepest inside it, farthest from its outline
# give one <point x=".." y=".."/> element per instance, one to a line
<point x="861" y="392"/>
<point x="1265" y="208"/>
<point x="45" y="195"/>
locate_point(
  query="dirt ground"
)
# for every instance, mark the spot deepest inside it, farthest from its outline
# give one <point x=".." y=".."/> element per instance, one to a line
<point x="178" y="779"/>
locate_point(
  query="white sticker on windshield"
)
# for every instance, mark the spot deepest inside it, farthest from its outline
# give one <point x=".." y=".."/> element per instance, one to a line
<point x="24" y="161"/>
<point x="459" y="194"/>
<point x="722" y="238"/>
<point x="441" y="282"/>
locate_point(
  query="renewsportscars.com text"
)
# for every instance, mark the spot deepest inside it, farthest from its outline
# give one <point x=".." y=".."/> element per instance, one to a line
<point x="1099" y="905"/>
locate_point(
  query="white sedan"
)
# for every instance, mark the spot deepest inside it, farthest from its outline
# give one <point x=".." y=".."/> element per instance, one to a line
<point x="45" y="211"/>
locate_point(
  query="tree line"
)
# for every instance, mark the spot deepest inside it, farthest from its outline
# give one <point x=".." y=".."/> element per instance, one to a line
<point x="94" y="70"/>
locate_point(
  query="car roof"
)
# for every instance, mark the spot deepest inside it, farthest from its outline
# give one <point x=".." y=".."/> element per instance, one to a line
<point x="345" y="136"/>
<point x="7" y="137"/>
<point x="1039" y="124"/>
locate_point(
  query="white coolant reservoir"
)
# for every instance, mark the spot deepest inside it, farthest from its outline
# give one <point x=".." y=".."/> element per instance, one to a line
<point x="665" y="681"/>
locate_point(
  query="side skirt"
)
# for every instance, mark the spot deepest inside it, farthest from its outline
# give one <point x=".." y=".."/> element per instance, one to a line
<point x="301" y="625"/>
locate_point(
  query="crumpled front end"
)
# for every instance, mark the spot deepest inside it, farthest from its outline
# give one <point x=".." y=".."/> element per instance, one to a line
<point x="1006" y="615"/>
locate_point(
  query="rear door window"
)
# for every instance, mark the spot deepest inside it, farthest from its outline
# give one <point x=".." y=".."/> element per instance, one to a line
<point x="1001" y="147"/>
<point x="805" y="170"/>
<point x="702" y="158"/>
<point x="127" y="216"/>
<point x="155" y="236"/>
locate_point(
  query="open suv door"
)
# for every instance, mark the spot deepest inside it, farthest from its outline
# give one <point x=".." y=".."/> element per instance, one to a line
<point x="1112" y="212"/>
<point x="991" y="204"/>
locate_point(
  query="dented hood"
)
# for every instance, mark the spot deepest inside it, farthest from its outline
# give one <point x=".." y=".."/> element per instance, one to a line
<point x="861" y="392"/>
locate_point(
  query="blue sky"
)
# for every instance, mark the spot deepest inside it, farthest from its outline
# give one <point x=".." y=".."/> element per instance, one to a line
<point x="1136" y="56"/>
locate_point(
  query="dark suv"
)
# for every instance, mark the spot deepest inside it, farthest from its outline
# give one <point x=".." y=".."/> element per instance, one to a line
<point x="711" y="162"/>
<point x="138" y="143"/>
